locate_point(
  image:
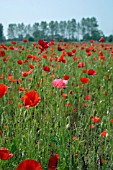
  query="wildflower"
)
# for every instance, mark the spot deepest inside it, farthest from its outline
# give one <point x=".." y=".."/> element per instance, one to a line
<point x="66" y="77"/>
<point x="104" y="133"/>
<point x="46" y="68"/>
<point x="31" y="98"/>
<point x="5" y="154"/>
<point x="81" y="64"/>
<point x="52" y="165"/>
<point x="20" y="62"/>
<point x="102" y="39"/>
<point x="87" y="97"/>
<point x="91" y="72"/>
<point x="95" y="119"/>
<point x="3" y="90"/>
<point x="59" y="83"/>
<point x="29" y="164"/>
<point x="84" y="80"/>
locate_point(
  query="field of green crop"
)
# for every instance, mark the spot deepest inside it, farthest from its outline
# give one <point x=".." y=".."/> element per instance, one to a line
<point x="56" y="106"/>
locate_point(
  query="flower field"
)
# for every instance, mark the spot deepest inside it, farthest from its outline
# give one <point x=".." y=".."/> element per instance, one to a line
<point x="56" y="103"/>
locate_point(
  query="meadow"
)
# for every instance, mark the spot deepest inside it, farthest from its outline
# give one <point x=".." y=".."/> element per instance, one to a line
<point x="56" y="106"/>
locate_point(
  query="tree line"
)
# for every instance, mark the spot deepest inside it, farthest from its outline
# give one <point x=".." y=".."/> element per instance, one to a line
<point x="70" y="30"/>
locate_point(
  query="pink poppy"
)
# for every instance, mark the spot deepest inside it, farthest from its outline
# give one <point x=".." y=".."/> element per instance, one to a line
<point x="59" y="83"/>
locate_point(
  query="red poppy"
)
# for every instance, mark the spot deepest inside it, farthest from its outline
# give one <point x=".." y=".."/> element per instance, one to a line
<point x="91" y="72"/>
<point x="2" y="53"/>
<point x="25" y="73"/>
<point x="92" y="41"/>
<point x="3" y="90"/>
<point x="62" y="59"/>
<point x="64" y="95"/>
<point x="74" y="50"/>
<point x="87" y="50"/>
<point x="104" y="133"/>
<point x="111" y="120"/>
<point x="43" y="44"/>
<point x="69" y="53"/>
<point x="25" y="41"/>
<point x="29" y="164"/>
<point x="31" y="98"/>
<point x="60" y="48"/>
<point x="52" y="165"/>
<point x="66" y="77"/>
<point x="46" y="68"/>
<point x="13" y="42"/>
<point x="95" y="119"/>
<point x="5" y="154"/>
<point x="31" y="66"/>
<point x="92" y="126"/>
<point x="20" y="62"/>
<point x="84" y="80"/>
<point x="102" y="39"/>
<point x="87" y="97"/>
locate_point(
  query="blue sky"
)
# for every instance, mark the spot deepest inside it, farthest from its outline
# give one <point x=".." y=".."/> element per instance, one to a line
<point x="31" y="11"/>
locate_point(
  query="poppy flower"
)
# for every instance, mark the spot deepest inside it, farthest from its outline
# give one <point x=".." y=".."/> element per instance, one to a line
<point x="69" y="53"/>
<point x="20" y="62"/>
<point x="31" y="66"/>
<point x="31" y="98"/>
<point x="3" y="90"/>
<point x="111" y="120"/>
<point x="66" y="77"/>
<point x="92" y="126"/>
<point x="2" y="53"/>
<point x="95" y="119"/>
<point x="59" y="83"/>
<point x="25" y="41"/>
<point x="29" y="164"/>
<point x="46" y="68"/>
<point x="64" y="95"/>
<point x="60" y="48"/>
<point x="104" y="133"/>
<point x="84" y="80"/>
<point x="25" y="73"/>
<point x="81" y="64"/>
<point x="5" y="154"/>
<point x="43" y="44"/>
<point x="87" y="97"/>
<point x="91" y="72"/>
<point x="102" y="39"/>
<point x="92" y="41"/>
<point x="52" y="164"/>
<point x="13" y="42"/>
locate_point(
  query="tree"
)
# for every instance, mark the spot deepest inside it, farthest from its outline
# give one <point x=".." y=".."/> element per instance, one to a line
<point x="69" y="29"/>
<point x="110" y="38"/>
<point x="21" y="31"/>
<point x="12" y="31"/>
<point x="83" y="26"/>
<point x="56" y="27"/>
<point x="44" y="28"/>
<point x="97" y="34"/>
<point x="78" y="31"/>
<point x="62" y="28"/>
<point x="94" y="25"/>
<point x="52" y="28"/>
<point x="1" y="32"/>
<point x="73" y="28"/>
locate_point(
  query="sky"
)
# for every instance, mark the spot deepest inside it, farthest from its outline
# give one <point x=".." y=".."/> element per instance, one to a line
<point x="31" y="11"/>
